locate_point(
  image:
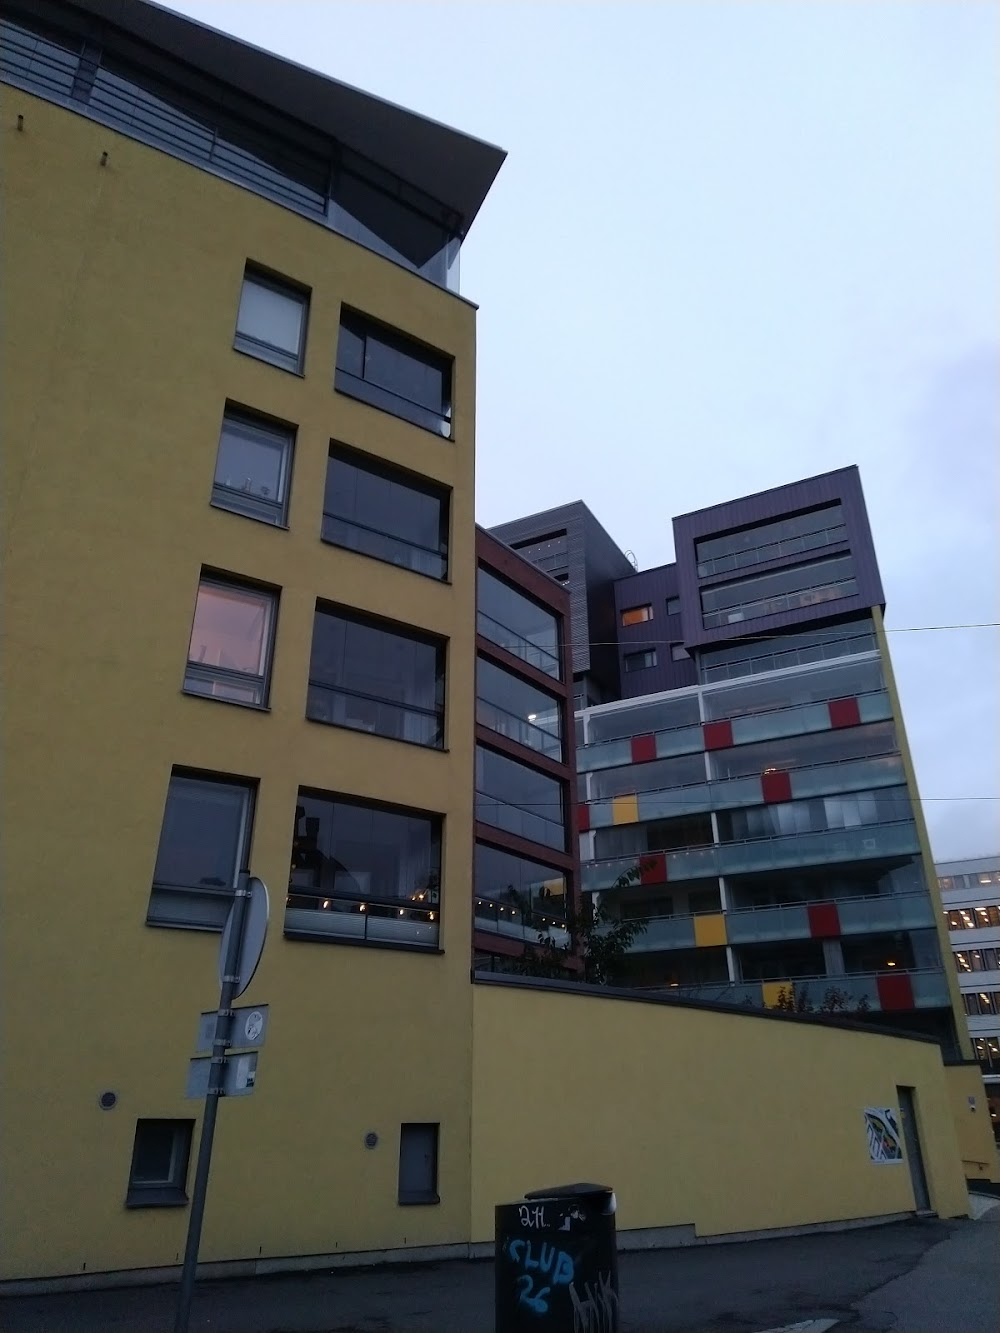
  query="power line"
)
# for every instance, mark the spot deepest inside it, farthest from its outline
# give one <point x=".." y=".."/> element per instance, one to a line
<point x="787" y="636"/>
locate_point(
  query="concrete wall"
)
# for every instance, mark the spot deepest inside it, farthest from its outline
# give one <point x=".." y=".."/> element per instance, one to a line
<point x="121" y="291"/>
<point x="728" y="1121"/>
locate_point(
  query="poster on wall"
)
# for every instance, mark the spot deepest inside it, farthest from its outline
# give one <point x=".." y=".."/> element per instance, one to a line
<point x="882" y="1128"/>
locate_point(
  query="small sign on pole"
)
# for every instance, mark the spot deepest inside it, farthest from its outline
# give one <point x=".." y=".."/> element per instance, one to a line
<point x="249" y="1028"/>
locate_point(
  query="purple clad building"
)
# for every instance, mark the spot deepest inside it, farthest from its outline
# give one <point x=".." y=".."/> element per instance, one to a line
<point x="747" y="759"/>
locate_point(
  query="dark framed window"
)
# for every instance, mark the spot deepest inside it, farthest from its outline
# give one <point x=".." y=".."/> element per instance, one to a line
<point x="375" y="677"/>
<point x="793" y="535"/>
<point x="204" y="844"/>
<point x="640" y="661"/>
<point x="253" y="468"/>
<point x="518" y="710"/>
<point x="385" y="513"/>
<point x="160" y="1155"/>
<point x="232" y="642"/>
<point x="519" y="799"/>
<point x="637" y="615"/>
<point x="515" y="895"/>
<point x="364" y="873"/>
<point x="388" y="370"/>
<point x="780" y="590"/>
<point x="673" y="606"/>
<point x="514" y="622"/>
<point x="418" y="1163"/>
<point x="271" y="321"/>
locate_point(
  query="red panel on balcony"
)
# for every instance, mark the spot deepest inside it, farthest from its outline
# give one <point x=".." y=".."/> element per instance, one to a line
<point x="583" y="817"/>
<point x="895" y="991"/>
<point x="653" y="869"/>
<point x="775" y="785"/>
<point x="844" y="713"/>
<point x="643" y="749"/>
<point x="824" y="921"/>
<point x="718" y="735"/>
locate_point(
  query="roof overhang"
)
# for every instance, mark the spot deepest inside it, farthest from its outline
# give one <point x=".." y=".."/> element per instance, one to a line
<point x="454" y="168"/>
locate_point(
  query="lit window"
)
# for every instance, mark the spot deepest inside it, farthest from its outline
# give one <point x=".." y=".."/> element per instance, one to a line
<point x="160" y="1157"/>
<point x="253" y="467"/>
<point x="271" y="323"/>
<point x="636" y="615"/>
<point x="229" y="656"/>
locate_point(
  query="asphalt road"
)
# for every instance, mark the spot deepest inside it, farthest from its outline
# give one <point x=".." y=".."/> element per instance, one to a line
<point x="911" y="1277"/>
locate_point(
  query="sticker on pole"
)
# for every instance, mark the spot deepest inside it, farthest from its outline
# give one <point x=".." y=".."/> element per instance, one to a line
<point x="254" y="935"/>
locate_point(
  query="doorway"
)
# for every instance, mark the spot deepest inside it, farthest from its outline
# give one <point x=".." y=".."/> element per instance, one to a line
<point x="911" y="1141"/>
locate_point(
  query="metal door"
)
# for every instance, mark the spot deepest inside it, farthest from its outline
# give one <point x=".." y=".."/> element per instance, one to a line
<point x="911" y="1141"/>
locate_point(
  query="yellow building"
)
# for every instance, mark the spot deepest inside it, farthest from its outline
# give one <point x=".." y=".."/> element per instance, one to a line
<point x="239" y="634"/>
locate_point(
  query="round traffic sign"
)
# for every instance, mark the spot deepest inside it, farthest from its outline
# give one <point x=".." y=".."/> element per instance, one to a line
<point x="254" y="934"/>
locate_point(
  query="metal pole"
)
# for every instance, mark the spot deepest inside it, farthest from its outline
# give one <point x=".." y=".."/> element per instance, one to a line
<point x="216" y="1079"/>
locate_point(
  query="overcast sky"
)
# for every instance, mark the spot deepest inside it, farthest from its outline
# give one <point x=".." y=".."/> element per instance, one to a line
<point x="734" y="244"/>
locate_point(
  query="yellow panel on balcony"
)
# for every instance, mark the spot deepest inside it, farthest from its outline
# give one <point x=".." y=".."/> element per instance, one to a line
<point x="709" y="930"/>
<point x="625" y="810"/>
<point x="771" y="990"/>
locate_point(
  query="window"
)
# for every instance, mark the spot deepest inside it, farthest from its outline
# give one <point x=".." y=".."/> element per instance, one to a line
<point x="762" y="696"/>
<point x="160" y="1158"/>
<point x="516" y="887"/>
<point x="253" y="468"/>
<point x="977" y="960"/>
<point x="271" y="323"/>
<point x="418" y="1164"/>
<point x="987" y="1052"/>
<point x="768" y="541"/>
<point x="640" y="661"/>
<point x="638" y="720"/>
<point x="368" y="676"/>
<point x="385" y="513"/>
<point x="858" y="809"/>
<point x="364" y="873"/>
<point x="678" y="653"/>
<point x="981" y="1003"/>
<point x="875" y="740"/>
<point x="781" y="590"/>
<point x="636" y="615"/>
<point x="232" y="641"/>
<point x="550" y="553"/>
<point x="204" y="844"/>
<point x="517" y="798"/>
<point x="778" y="652"/>
<point x="673" y="606"/>
<point x="686" y="770"/>
<point x="659" y="835"/>
<point x="974" y="918"/>
<point x="517" y="624"/>
<point x="522" y="712"/>
<point x="386" y="369"/>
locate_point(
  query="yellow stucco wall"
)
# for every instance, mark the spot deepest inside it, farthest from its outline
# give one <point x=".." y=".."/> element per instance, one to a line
<point x="730" y="1121"/>
<point x="121" y="291"/>
<point x="970" y="1107"/>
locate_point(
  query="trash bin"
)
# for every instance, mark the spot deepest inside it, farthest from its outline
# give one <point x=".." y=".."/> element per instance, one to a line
<point x="556" y="1262"/>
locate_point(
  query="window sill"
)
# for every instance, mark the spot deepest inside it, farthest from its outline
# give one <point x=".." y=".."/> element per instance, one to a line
<point x="269" y="361"/>
<point x="220" y="699"/>
<point x="419" y="1201"/>
<point x="252" y="518"/>
<point x="165" y="1196"/>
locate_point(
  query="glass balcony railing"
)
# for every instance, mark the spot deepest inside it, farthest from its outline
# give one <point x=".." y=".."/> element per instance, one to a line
<point x="370" y="922"/>
<point x="930" y="990"/>
<point x="542" y="656"/>
<point x="519" y="729"/>
<point x="514" y="922"/>
<point x="832" y="847"/>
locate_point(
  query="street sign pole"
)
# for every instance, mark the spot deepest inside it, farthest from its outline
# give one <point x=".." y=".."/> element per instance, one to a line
<point x="229" y="990"/>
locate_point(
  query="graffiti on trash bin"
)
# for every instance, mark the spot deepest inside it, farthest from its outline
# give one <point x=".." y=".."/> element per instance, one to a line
<point x="543" y="1267"/>
<point x="597" y="1311"/>
<point x="531" y="1215"/>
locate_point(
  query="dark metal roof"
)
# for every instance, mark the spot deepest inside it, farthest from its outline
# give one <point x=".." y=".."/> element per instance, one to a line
<point x="453" y="167"/>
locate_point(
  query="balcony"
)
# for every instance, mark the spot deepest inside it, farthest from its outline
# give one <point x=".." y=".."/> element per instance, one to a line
<point x="929" y="989"/>
<point x="858" y="916"/>
<point x="313" y="916"/>
<point x="839" y="846"/>
<point x="515" y="923"/>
